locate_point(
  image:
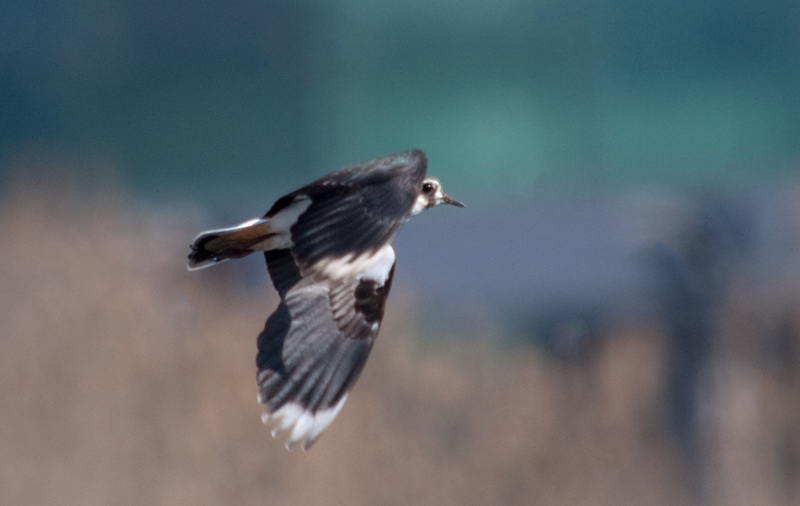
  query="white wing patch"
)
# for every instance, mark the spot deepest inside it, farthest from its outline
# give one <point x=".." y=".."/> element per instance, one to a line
<point x="305" y="426"/>
<point x="281" y="225"/>
<point x="382" y="262"/>
<point x="371" y="265"/>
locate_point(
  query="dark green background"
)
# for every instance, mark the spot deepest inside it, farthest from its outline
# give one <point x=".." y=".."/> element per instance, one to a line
<point x="181" y="97"/>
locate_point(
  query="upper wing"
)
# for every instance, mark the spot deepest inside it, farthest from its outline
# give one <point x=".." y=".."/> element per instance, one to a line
<point x="354" y="210"/>
<point x="314" y="346"/>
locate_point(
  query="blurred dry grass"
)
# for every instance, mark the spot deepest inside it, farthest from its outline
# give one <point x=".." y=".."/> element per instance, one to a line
<point x="127" y="380"/>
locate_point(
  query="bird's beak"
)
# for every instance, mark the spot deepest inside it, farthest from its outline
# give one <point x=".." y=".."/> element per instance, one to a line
<point x="453" y="202"/>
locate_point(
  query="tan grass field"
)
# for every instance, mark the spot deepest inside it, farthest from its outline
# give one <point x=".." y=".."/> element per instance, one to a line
<point x="127" y="380"/>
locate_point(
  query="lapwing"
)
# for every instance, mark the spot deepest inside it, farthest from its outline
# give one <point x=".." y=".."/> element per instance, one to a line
<point x="329" y="254"/>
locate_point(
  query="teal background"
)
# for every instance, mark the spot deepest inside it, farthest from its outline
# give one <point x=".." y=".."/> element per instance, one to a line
<point x="184" y="96"/>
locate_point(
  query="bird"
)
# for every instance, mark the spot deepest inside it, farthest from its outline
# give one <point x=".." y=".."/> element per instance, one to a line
<point x="328" y="250"/>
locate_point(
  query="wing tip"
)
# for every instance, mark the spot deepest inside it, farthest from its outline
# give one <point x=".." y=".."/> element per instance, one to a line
<point x="303" y="426"/>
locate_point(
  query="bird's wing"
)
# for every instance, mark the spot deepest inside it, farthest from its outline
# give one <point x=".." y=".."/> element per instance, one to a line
<point x="314" y="346"/>
<point x="354" y="211"/>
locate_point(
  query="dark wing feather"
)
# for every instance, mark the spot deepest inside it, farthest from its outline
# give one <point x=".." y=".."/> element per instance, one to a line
<point x="282" y="269"/>
<point x="314" y="346"/>
<point x="357" y="209"/>
<point x="335" y="226"/>
<point x="313" y="349"/>
<point x="406" y="167"/>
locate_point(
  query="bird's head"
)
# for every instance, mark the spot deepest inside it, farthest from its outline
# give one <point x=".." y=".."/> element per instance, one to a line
<point x="432" y="195"/>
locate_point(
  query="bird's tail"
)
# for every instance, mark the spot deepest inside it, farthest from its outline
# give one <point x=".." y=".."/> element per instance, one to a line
<point x="214" y="246"/>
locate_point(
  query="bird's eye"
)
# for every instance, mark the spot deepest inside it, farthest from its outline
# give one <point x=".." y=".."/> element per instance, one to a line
<point x="427" y="188"/>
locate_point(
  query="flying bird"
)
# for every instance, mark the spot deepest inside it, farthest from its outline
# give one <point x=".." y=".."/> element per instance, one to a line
<point x="329" y="255"/>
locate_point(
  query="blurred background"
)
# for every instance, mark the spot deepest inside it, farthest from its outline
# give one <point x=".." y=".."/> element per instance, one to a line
<point x="613" y="319"/>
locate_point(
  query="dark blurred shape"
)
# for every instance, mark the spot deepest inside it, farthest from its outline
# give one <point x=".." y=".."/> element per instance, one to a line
<point x="693" y="270"/>
<point x="566" y="330"/>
